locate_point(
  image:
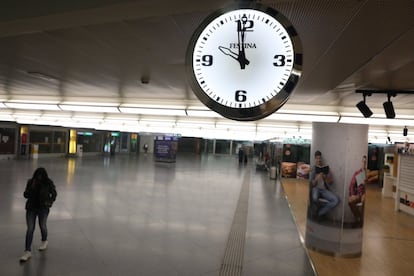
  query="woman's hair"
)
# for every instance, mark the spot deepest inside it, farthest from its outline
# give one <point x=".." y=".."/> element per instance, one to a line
<point x="40" y="173"/>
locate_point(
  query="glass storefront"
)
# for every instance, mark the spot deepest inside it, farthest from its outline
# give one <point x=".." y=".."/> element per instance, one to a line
<point x="48" y="140"/>
<point x="90" y="140"/>
<point x="223" y="146"/>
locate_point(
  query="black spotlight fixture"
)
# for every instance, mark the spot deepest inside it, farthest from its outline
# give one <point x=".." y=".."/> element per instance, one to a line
<point x="363" y="108"/>
<point x="405" y="131"/>
<point x="388" y="107"/>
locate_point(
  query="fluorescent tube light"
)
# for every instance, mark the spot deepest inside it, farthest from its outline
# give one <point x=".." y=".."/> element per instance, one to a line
<point x="153" y="111"/>
<point x="302" y="118"/>
<point x="36" y="106"/>
<point x="151" y="123"/>
<point x="307" y="112"/>
<point x="86" y="120"/>
<point x="89" y="108"/>
<point x="6" y="117"/>
<point x="377" y="121"/>
<point x="202" y="113"/>
<point x="195" y="124"/>
<point x="236" y="127"/>
<point x="121" y="117"/>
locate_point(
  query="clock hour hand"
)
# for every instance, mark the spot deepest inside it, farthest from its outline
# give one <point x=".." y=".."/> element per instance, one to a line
<point x="228" y="52"/>
<point x="232" y="54"/>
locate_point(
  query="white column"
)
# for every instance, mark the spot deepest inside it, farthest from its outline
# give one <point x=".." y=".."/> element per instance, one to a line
<point x="342" y="147"/>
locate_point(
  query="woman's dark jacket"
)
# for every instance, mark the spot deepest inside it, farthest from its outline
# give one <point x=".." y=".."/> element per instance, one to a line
<point x="40" y="195"/>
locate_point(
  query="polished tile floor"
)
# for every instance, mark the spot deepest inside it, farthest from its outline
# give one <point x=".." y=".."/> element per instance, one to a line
<point x="124" y="215"/>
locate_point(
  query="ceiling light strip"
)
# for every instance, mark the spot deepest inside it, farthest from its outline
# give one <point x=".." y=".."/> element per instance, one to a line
<point x="31" y="106"/>
<point x="89" y="108"/>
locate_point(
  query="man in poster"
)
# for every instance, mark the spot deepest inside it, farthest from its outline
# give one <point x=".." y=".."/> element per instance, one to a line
<point x="357" y="193"/>
<point x="321" y="179"/>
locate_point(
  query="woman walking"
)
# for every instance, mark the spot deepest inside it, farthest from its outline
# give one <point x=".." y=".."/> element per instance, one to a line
<point x="40" y="193"/>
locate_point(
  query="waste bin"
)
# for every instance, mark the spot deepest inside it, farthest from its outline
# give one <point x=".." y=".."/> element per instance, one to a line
<point x="79" y="150"/>
<point x="35" y="151"/>
<point x="273" y="172"/>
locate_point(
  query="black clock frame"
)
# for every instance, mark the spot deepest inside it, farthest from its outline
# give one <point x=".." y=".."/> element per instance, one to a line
<point x="265" y="109"/>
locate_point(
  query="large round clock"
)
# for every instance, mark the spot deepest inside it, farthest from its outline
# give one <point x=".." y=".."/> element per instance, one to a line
<point x="244" y="61"/>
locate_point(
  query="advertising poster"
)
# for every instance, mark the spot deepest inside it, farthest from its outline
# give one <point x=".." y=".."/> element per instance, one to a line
<point x="165" y="148"/>
<point x="295" y="161"/>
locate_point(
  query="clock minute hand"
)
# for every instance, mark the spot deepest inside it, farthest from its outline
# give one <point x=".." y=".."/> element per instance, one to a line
<point x="240" y="37"/>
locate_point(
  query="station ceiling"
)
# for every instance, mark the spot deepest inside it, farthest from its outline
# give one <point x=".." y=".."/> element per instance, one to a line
<point x="97" y="52"/>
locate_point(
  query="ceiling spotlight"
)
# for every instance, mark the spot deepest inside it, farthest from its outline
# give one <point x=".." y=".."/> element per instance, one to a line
<point x="363" y="108"/>
<point x="405" y="131"/>
<point x="388" y="107"/>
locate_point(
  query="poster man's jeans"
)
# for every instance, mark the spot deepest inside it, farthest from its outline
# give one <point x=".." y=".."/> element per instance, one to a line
<point x="332" y="199"/>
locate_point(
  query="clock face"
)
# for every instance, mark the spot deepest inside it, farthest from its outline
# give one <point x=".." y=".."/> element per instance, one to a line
<point x="244" y="63"/>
